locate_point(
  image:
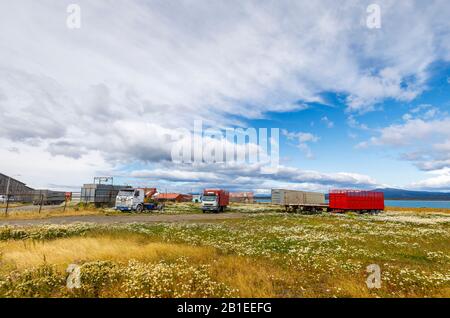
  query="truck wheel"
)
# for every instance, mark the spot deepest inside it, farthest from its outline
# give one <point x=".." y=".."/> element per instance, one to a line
<point x="140" y="208"/>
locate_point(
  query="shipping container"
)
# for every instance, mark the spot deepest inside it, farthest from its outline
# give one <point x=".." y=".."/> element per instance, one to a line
<point x="48" y="197"/>
<point x="356" y="200"/>
<point x="100" y="194"/>
<point x="294" y="197"/>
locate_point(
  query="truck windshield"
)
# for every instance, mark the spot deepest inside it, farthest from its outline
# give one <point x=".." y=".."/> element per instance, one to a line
<point x="125" y="193"/>
<point x="209" y="198"/>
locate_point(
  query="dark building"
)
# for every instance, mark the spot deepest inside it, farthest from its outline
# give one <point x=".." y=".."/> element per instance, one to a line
<point x="17" y="190"/>
<point x="15" y="186"/>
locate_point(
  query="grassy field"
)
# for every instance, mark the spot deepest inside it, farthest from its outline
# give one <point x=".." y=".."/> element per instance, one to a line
<point x="265" y="254"/>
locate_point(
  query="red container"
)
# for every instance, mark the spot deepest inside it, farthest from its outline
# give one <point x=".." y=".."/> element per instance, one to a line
<point x="356" y="200"/>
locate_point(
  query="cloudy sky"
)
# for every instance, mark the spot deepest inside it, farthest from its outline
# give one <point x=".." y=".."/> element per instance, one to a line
<point x="356" y="107"/>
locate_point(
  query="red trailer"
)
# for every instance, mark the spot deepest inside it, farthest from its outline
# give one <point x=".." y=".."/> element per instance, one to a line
<point x="356" y="200"/>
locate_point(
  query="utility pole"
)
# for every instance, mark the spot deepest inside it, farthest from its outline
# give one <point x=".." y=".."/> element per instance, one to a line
<point x="9" y="182"/>
<point x="7" y="187"/>
<point x="7" y="192"/>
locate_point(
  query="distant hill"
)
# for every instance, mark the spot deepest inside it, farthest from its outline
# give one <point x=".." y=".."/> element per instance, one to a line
<point x="400" y="194"/>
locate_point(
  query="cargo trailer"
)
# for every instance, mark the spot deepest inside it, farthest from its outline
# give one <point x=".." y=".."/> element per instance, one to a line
<point x="101" y="194"/>
<point x="294" y="200"/>
<point x="48" y="197"/>
<point x="356" y="200"/>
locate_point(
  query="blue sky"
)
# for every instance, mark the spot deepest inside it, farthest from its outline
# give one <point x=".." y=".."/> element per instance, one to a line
<point x="337" y="146"/>
<point x="356" y="107"/>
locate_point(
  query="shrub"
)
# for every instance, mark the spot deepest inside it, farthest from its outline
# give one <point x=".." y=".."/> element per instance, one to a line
<point x="177" y="279"/>
<point x="109" y="279"/>
<point x="43" y="281"/>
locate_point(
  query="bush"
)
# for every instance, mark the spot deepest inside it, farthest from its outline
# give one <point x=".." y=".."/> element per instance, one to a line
<point x="43" y="281"/>
<point x="109" y="279"/>
<point x="98" y="278"/>
<point x="171" y="280"/>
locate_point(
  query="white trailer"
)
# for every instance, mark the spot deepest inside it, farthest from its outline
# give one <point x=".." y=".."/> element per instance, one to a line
<point x="294" y="200"/>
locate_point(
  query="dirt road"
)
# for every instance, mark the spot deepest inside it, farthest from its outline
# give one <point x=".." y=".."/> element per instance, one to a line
<point x="29" y="208"/>
<point x="105" y="219"/>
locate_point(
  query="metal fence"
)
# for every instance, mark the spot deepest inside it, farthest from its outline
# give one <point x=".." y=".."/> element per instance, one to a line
<point x="39" y="200"/>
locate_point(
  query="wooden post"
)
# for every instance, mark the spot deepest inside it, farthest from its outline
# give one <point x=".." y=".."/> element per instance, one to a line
<point x="40" y="205"/>
<point x="7" y="205"/>
<point x="65" y="204"/>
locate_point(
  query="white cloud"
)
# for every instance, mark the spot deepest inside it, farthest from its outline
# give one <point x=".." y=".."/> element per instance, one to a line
<point x="40" y="169"/>
<point x="244" y="177"/>
<point x="327" y="122"/>
<point x="413" y="131"/>
<point x="441" y="181"/>
<point x="424" y="142"/>
<point x="116" y="88"/>
<point x="302" y="139"/>
<point x="353" y="123"/>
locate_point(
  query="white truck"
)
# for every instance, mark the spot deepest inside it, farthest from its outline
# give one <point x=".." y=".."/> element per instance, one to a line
<point x="137" y="199"/>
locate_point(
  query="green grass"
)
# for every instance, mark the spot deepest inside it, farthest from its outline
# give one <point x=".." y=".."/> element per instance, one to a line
<point x="263" y="254"/>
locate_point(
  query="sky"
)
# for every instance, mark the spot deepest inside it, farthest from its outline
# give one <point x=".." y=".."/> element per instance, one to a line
<point x="356" y="107"/>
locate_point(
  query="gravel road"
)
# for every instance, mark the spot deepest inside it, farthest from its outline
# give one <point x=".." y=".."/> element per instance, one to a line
<point x="113" y="219"/>
<point x="29" y="208"/>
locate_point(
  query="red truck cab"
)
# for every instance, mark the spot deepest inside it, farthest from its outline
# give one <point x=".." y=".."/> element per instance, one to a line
<point x="215" y="200"/>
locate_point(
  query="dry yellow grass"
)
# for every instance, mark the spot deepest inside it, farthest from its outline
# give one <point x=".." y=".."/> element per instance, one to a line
<point x="416" y="210"/>
<point x="61" y="252"/>
<point x="47" y="213"/>
<point x="251" y="277"/>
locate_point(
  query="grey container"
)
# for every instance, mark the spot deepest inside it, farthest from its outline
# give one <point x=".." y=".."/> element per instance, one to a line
<point x="48" y="197"/>
<point x="294" y="197"/>
<point x="100" y="194"/>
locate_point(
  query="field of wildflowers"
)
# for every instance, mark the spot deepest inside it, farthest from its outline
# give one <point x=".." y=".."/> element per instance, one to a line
<point x="265" y="254"/>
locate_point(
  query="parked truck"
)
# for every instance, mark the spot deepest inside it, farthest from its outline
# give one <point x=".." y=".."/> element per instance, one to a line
<point x="137" y="199"/>
<point x="302" y="201"/>
<point x="215" y="200"/>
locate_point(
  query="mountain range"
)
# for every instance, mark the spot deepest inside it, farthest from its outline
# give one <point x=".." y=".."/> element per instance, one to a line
<point x="400" y="194"/>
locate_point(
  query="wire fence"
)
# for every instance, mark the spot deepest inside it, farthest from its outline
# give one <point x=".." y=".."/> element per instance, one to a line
<point x="43" y="200"/>
<point x="39" y="200"/>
